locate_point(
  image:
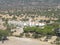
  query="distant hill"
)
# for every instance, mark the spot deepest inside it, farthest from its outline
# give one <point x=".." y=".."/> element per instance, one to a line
<point x="28" y="3"/>
<point x="30" y="6"/>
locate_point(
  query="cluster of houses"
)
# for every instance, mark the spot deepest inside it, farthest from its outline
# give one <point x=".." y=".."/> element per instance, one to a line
<point x="25" y="23"/>
<point x="21" y="24"/>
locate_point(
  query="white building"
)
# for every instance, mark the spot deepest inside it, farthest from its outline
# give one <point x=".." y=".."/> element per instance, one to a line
<point x="28" y="23"/>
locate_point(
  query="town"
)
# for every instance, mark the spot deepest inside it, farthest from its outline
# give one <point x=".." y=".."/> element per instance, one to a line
<point x="30" y="25"/>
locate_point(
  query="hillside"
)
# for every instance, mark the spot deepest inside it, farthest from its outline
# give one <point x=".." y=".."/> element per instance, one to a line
<point x="28" y="3"/>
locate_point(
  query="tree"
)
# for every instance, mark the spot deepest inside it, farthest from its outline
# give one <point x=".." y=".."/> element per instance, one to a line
<point x="3" y="33"/>
<point x="35" y="35"/>
<point x="27" y="34"/>
<point x="58" y="41"/>
<point x="21" y="34"/>
<point x="14" y="18"/>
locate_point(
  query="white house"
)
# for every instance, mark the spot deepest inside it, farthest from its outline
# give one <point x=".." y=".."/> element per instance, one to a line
<point x="21" y="23"/>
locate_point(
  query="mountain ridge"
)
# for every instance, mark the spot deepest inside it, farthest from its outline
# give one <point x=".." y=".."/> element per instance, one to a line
<point x="28" y="3"/>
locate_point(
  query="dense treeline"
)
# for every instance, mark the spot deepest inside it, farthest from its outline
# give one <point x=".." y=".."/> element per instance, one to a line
<point x="42" y="31"/>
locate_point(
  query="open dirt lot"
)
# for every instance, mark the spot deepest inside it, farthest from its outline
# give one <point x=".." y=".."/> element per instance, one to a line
<point x="23" y="41"/>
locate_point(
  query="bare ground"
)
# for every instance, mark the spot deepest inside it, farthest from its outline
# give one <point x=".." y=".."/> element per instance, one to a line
<point x="23" y="41"/>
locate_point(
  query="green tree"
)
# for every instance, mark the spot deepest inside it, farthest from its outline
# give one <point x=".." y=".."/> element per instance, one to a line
<point x="3" y="33"/>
